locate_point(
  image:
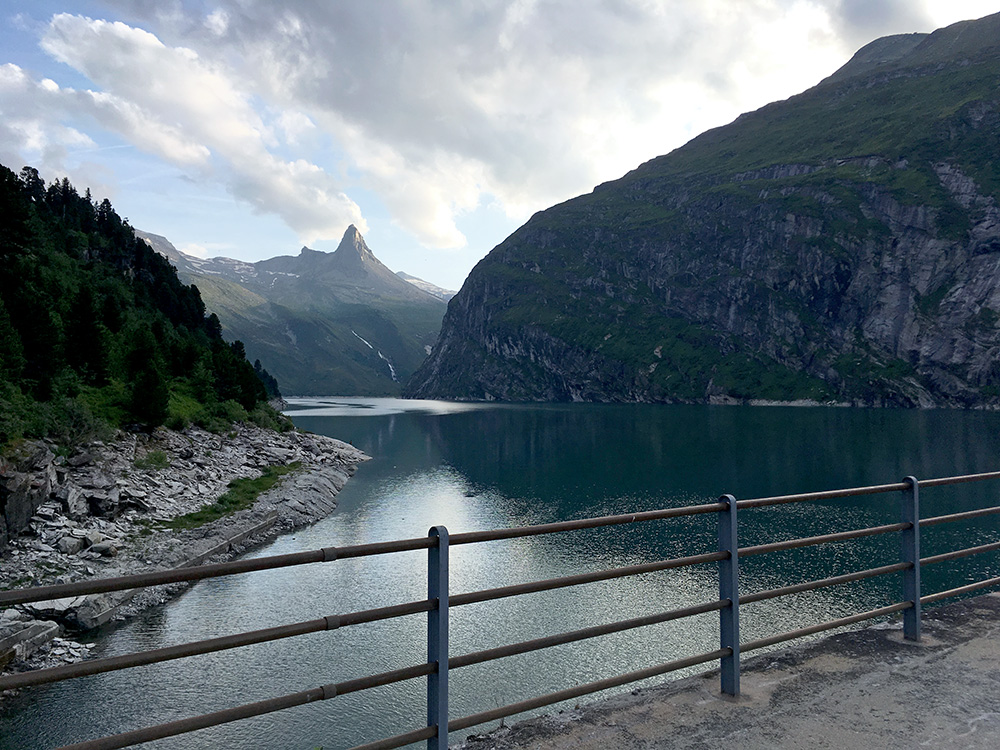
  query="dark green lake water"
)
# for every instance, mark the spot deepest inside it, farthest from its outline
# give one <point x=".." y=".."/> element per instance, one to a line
<point x="472" y="467"/>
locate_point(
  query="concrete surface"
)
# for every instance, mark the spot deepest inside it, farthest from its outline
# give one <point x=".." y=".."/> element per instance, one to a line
<point x="862" y="689"/>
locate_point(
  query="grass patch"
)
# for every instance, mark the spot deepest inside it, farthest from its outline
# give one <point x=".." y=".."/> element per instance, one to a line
<point x="242" y="493"/>
<point x="152" y="460"/>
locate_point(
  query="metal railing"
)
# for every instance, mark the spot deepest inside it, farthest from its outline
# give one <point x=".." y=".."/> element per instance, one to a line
<point x="439" y="601"/>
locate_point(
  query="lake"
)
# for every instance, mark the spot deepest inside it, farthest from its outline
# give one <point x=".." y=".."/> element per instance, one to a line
<point x="483" y="466"/>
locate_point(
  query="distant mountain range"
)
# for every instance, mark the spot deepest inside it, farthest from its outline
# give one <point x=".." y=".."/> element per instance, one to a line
<point x="842" y="245"/>
<point x="336" y="323"/>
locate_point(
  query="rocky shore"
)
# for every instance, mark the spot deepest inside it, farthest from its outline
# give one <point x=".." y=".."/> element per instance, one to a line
<point x="100" y="511"/>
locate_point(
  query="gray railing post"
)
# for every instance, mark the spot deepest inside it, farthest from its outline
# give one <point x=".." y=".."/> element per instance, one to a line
<point x="911" y="554"/>
<point x="437" y="638"/>
<point x="729" y="588"/>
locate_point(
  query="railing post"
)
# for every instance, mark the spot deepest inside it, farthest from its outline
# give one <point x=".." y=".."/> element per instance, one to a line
<point x="437" y="638"/>
<point x="729" y="584"/>
<point x="911" y="554"/>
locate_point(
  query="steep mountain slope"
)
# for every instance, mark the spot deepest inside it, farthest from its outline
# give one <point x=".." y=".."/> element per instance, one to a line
<point x="322" y="323"/>
<point x="842" y="245"/>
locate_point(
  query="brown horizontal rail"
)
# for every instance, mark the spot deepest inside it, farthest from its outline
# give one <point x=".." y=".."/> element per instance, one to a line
<point x="824" y="582"/>
<point x="472" y="720"/>
<point x="809" y="541"/>
<point x="127" y="661"/>
<point x="584" y="523"/>
<point x="969" y="551"/>
<point x="964" y="515"/>
<point x="400" y="740"/>
<point x="204" y="721"/>
<point x="183" y="726"/>
<point x="195" y="573"/>
<point x="931" y="598"/>
<point x="377" y="680"/>
<point x="962" y="479"/>
<point x="875" y="489"/>
<point x="214" y="570"/>
<point x="196" y="648"/>
<point x="549" y="584"/>
<point x="801" y="497"/>
<point x="478" y="657"/>
<point x="830" y="625"/>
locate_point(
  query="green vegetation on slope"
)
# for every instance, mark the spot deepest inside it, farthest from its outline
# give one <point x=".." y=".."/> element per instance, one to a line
<point x="242" y="494"/>
<point x="96" y="331"/>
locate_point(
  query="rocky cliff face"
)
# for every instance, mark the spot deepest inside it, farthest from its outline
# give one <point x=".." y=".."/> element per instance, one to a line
<point x="843" y="245"/>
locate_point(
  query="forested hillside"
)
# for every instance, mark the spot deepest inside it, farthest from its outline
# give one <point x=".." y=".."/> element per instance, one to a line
<point x="96" y="330"/>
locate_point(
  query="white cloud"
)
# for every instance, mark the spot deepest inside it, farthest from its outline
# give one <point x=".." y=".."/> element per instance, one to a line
<point x="217" y="22"/>
<point x="526" y="103"/>
<point x="295" y="126"/>
<point x="171" y="102"/>
<point x="440" y="108"/>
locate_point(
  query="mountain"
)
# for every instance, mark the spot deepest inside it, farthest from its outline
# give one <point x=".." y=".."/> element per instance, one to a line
<point x="433" y="289"/>
<point x="842" y="245"/>
<point x="337" y="323"/>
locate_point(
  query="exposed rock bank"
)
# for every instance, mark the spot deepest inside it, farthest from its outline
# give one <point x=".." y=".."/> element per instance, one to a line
<point x="98" y="513"/>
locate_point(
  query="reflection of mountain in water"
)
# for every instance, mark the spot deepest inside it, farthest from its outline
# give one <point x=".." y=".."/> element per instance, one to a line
<point x="599" y="452"/>
<point x="588" y="454"/>
<point x="558" y="462"/>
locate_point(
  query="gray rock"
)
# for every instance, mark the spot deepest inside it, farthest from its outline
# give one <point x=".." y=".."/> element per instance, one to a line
<point x="104" y="503"/>
<point x="73" y="501"/>
<point x="70" y="545"/>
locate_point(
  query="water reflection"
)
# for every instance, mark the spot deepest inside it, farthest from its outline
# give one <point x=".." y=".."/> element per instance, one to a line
<point x="479" y="466"/>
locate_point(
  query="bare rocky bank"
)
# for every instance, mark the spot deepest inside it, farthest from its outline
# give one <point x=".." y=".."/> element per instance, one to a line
<point x="98" y="513"/>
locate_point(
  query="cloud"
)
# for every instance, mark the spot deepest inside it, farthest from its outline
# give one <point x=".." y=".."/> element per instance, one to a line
<point x="440" y="108"/>
<point x="171" y="102"/>
<point x="861" y="21"/>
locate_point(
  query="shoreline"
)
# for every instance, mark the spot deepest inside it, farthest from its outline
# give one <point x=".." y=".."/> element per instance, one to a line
<point x="99" y="514"/>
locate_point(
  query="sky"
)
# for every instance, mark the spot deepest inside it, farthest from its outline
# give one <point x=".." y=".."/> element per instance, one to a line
<point x="249" y="128"/>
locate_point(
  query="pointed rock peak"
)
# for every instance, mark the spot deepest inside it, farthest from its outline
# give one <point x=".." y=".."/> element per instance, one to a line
<point x="353" y="253"/>
<point x="353" y="244"/>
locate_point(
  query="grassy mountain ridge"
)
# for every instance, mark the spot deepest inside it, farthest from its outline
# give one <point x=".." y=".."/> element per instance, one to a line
<point x="839" y="245"/>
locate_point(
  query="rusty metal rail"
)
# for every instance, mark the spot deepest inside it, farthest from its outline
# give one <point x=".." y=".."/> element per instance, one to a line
<point x="439" y="601"/>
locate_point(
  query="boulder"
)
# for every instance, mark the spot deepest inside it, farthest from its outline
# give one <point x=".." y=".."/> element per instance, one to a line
<point x="20" y="638"/>
<point x="105" y="549"/>
<point x="74" y="502"/>
<point x="55" y="609"/>
<point x="84" y="458"/>
<point x="98" y="480"/>
<point x="70" y="545"/>
<point x="104" y="503"/>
